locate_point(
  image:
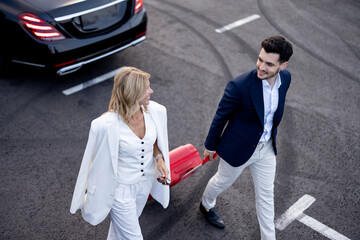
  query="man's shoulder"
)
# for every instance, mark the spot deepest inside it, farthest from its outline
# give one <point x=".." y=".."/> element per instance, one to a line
<point x="285" y="76"/>
<point x="285" y="73"/>
<point x="244" y="80"/>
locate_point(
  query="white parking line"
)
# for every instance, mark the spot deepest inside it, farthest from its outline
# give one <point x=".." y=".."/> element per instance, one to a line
<point x="295" y="212"/>
<point x="237" y="23"/>
<point x="91" y="82"/>
<point x="321" y="228"/>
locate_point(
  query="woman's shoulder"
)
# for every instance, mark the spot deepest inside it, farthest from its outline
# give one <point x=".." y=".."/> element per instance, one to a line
<point x="154" y="106"/>
<point x="105" y="119"/>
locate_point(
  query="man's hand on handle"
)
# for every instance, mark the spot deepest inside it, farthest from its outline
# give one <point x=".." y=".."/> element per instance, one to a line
<point x="209" y="154"/>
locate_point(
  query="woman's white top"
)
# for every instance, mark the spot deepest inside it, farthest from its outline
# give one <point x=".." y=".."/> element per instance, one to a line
<point x="95" y="186"/>
<point x="135" y="157"/>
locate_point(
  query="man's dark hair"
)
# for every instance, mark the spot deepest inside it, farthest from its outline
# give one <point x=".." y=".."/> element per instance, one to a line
<point x="278" y="44"/>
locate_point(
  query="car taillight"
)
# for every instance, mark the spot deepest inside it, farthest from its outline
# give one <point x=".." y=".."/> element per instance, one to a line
<point x="39" y="28"/>
<point x="138" y="6"/>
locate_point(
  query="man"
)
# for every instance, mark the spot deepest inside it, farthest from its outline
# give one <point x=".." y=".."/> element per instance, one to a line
<point x="243" y="132"/>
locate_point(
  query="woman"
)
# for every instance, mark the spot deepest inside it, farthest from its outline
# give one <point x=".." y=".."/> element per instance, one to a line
<point x="125" y="146"/>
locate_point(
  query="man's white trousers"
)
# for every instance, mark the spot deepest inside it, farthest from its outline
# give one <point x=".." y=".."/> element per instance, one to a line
<point x="262" y="165"/>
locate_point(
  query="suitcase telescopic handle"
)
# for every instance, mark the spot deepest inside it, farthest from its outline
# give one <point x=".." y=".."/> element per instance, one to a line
<point x="207" y="158"/>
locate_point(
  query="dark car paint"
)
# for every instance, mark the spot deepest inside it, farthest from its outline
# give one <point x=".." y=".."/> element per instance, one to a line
<point x="19" y="46"/>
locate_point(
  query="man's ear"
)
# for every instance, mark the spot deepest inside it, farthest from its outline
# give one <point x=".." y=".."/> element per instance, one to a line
<point x="283" y="65"/>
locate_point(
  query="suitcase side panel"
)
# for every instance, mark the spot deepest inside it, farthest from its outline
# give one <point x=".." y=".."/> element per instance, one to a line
<point x="182" y="160"/>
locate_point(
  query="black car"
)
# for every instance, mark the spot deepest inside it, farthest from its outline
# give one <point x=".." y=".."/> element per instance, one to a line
<point x="64" y="35"/>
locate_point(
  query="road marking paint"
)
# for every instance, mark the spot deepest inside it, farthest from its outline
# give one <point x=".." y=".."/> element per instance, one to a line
<point x="295" y="212"/>
<point x="91" y="82"/>
<point x="321" y="228"/>
<point x="237" y="23"/>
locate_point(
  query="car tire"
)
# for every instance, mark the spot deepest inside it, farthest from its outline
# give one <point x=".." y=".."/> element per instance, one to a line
<point x="3" y="63"/>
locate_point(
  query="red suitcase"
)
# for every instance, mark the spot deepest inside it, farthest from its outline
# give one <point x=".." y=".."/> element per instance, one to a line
<point x="184" y="161"/>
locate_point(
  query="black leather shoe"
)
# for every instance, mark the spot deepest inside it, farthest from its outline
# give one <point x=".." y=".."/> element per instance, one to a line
<point x="212" y="217"/>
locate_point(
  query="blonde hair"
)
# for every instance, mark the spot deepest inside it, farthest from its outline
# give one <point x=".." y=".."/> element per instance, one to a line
<point x="129" y="86"/>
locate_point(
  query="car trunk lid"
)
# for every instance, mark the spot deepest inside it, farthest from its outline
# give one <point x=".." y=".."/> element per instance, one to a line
<point x="81" y="18"/>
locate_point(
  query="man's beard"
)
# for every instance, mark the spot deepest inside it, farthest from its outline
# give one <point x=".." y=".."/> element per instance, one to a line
<point x="267" y="76"/>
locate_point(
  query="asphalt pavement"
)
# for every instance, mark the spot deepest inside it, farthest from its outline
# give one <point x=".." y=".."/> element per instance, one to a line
<point x="43" y="132"/>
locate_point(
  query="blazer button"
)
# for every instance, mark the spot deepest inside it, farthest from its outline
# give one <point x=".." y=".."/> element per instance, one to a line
<point x="142" y="156"/>
<point x="142" y="150"/>
<point x="142" y="142"/>
<point x="142" y="170"/>
<point x="142" y="163"/>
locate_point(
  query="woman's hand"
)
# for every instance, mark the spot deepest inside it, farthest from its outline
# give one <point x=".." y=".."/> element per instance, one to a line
<point x="162" y="167"/>
<point x="160" y="163"/>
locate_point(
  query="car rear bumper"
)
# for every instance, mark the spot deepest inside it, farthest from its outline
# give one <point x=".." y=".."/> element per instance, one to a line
<point x="77" y="66"/>
<point x="69" y="55"/>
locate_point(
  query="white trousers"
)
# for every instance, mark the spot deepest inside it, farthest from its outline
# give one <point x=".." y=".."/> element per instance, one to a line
<point x="262" y="166"/>
<point x="130" y="200"/>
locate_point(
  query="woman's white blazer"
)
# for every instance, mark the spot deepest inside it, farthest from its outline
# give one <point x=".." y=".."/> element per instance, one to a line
<point x="95" y="186"/>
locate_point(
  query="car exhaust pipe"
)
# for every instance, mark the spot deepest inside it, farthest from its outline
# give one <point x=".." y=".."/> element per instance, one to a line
<point x="69" y="69"/>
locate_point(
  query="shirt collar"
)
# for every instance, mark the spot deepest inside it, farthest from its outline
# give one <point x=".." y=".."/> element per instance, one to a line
<point x="277" y="82"/>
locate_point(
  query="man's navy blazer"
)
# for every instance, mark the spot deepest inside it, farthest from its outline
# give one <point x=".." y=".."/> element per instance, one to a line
<point x="241" y="113"/>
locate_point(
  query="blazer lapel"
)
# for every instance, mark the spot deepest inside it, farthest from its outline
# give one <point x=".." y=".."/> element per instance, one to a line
<point x="280" y="104"/>
<point x="256" y="93"/>
<point x="280" y="109"/>
<point x="113" y="142"/>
